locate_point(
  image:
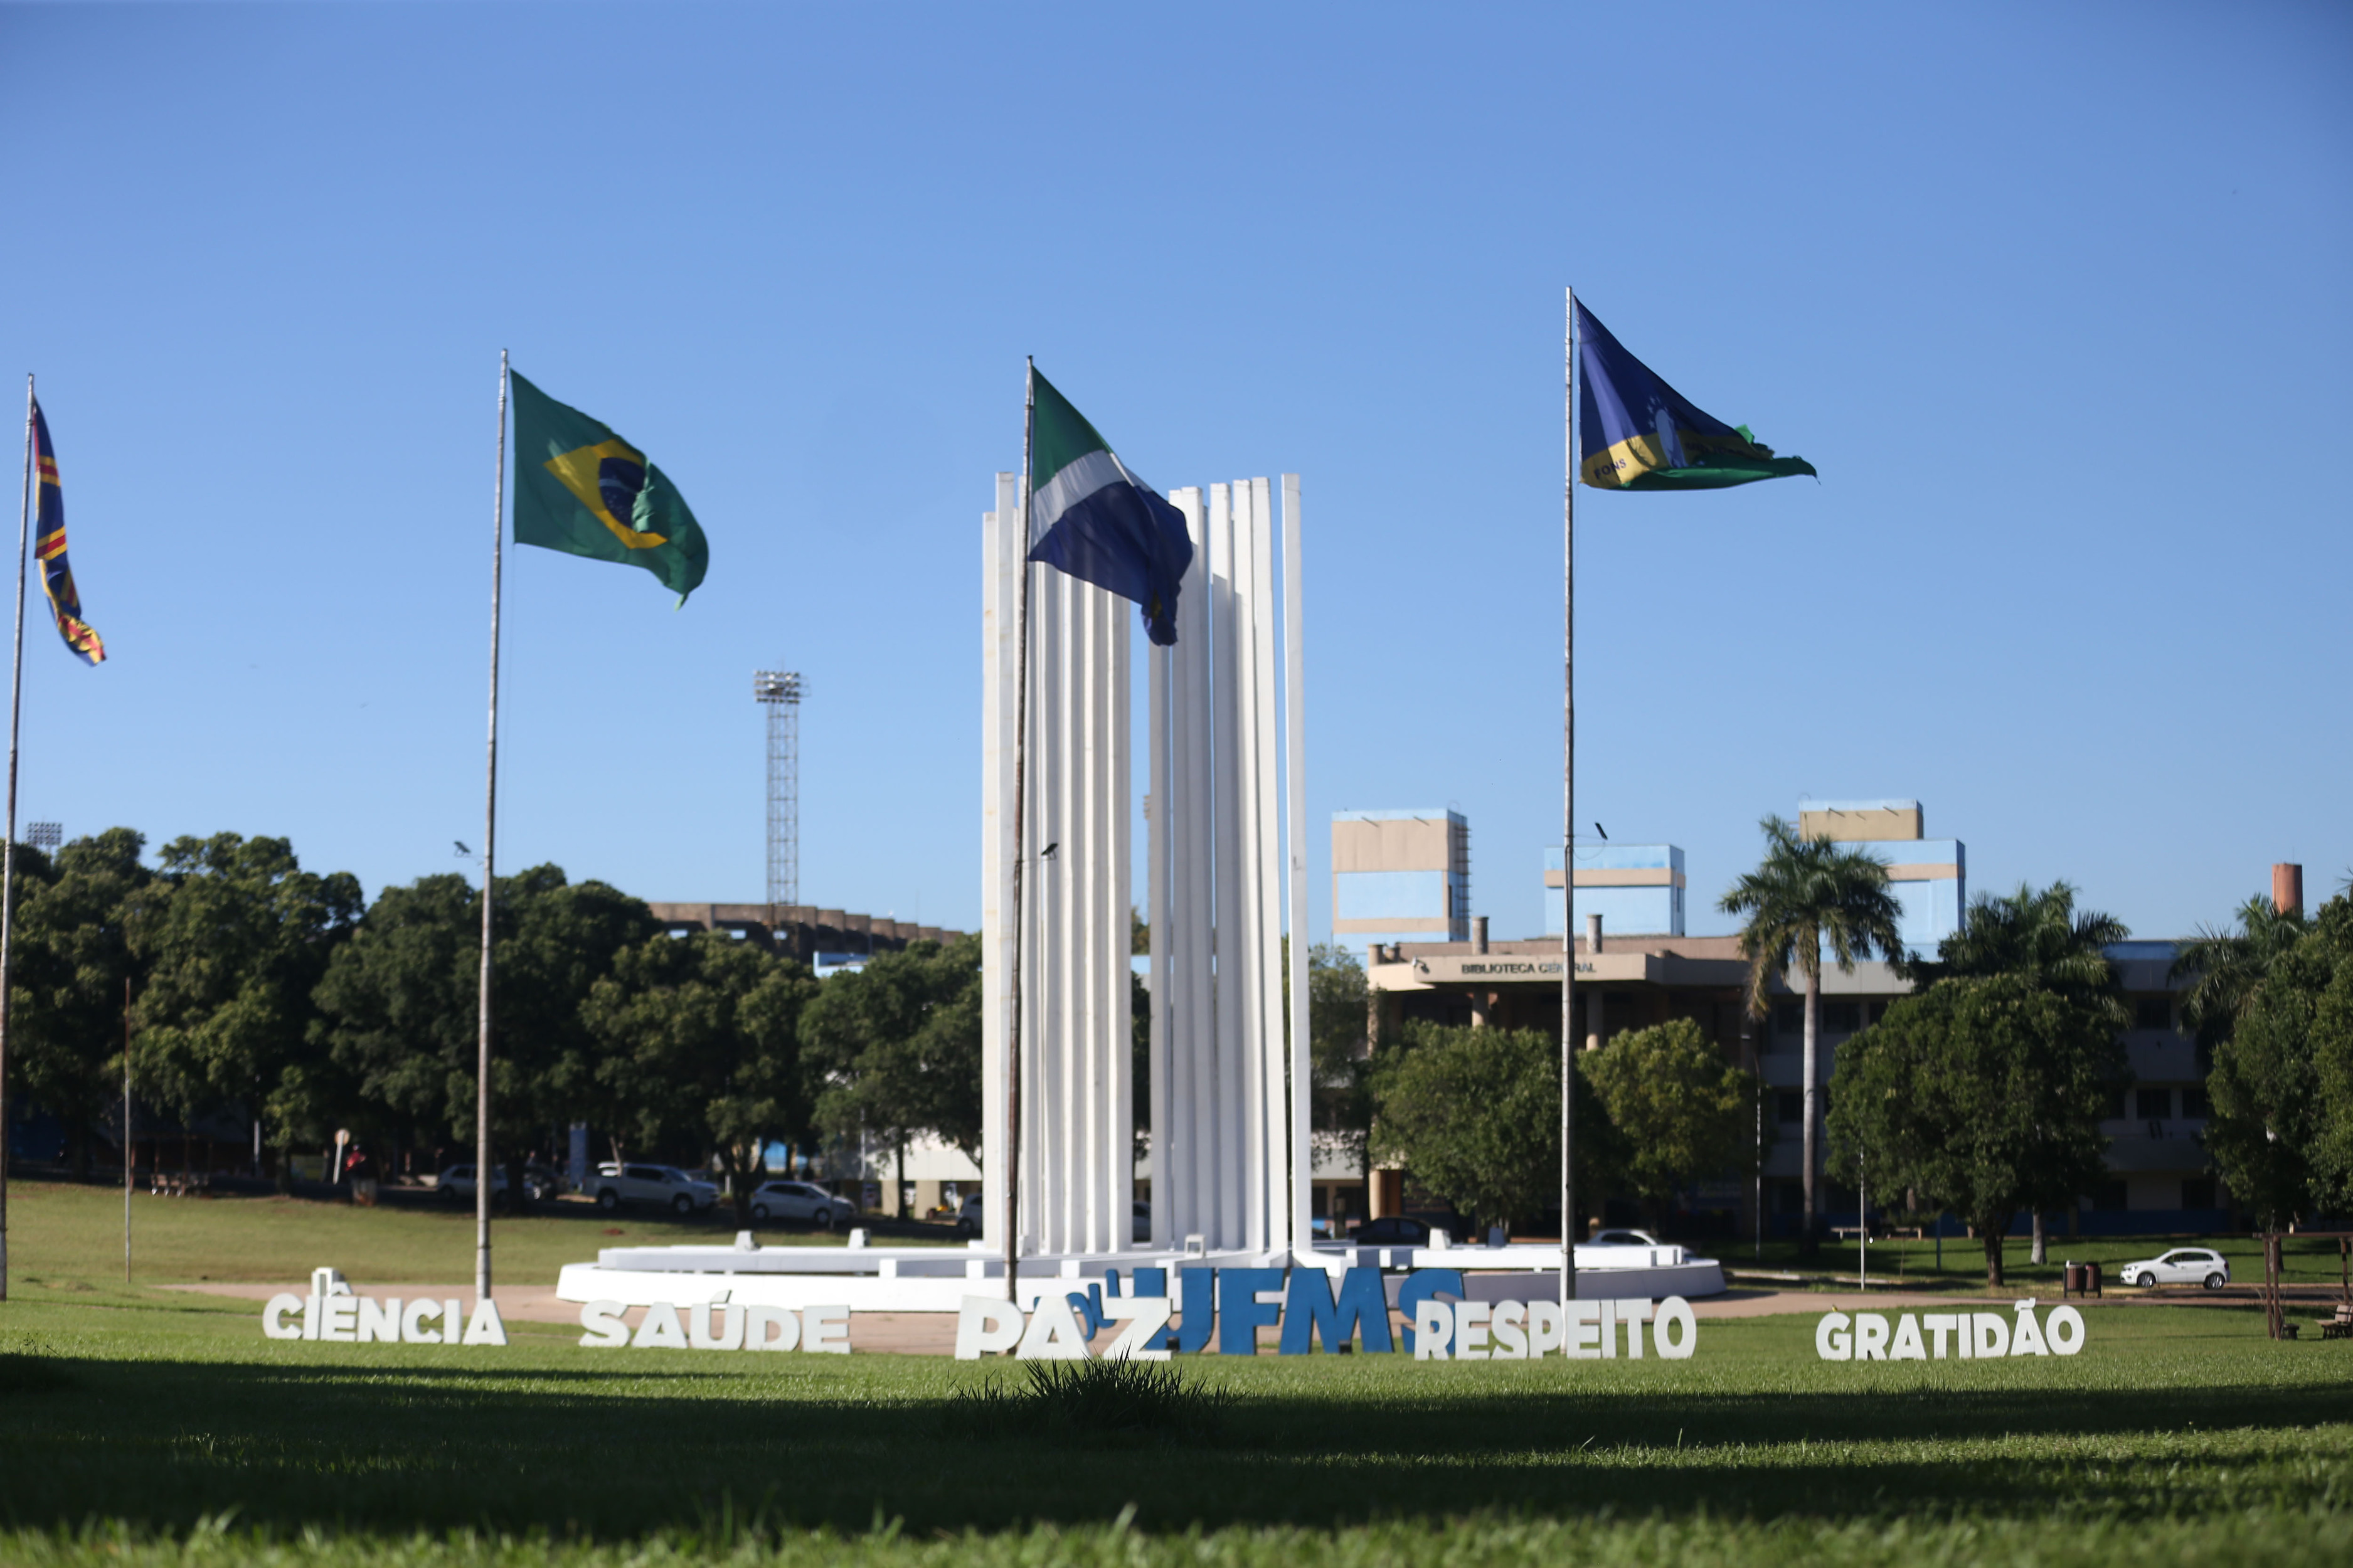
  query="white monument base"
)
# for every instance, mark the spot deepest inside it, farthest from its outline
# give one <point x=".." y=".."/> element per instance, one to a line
<point x="938" y="1278"/>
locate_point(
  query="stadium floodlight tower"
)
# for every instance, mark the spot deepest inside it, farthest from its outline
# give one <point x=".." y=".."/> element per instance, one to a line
<point x="779" y="692"/>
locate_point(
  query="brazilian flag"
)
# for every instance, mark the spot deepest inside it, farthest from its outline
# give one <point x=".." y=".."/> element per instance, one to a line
<point x="583" y="490"/>
<point x="1640" y="434"/>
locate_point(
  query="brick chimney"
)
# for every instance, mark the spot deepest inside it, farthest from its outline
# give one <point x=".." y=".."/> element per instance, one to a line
<point x="2287" y="889"/>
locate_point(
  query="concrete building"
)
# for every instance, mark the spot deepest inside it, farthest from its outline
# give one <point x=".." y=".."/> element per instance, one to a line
<point x="1401" y="875"/>
<point x="1632" y="886"/>
<point x="1646" y="971"/>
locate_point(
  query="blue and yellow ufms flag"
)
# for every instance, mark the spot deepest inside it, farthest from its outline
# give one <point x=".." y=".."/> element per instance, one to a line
<point x="49" y="549"/>
<point x="1640" y="434"/>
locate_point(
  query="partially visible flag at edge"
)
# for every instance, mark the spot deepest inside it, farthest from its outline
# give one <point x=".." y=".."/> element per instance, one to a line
<point x="1094" y="519"/>
<point x="1640" y="434"/>
<point x="50" y="549"/>
<point x="582" y="490"/>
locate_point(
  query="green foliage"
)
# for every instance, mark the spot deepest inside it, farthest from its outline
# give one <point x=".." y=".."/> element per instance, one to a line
<point x="697" y="1042"/>
<point x="2039" y="938"/>
<point x="1341" y="1106"/>
<point x="2225" y="968"/>
<point x="2282" y="1084"/>
<point x="1982" y="1094"/>
<point x="893" y="1048"/>
<point x="1681" y="1111"/>
<point x="1475" y="1114"/>
<point x="71" y="963"/>
<point x="233" y="934"/>
<point x="1090" y="1401"/>
<point x="399" y="1007"/>
<point x="1806" y="898"/>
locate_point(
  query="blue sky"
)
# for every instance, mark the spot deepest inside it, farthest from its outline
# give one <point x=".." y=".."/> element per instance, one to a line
<point x="2054" y="296"/>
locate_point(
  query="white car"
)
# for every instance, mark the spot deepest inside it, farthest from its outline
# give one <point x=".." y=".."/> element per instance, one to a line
<point x="614" y="1186"/>
<point x="801" y="1201"/>
<point x="457" y="1182"/>
<point x="2182" y="1266"/>
<point x="1624" y="1239"/>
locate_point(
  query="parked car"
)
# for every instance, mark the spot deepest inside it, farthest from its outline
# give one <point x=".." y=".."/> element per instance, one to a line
<point x="457" y="1182"/>
<point x="972" y="1215"/>
<point x="1624" y="1239"/>
<point x="800" y="1201"/>
<point x="540" y="1181"/>
<point x="616" y="1185"/>
<point x="1392" y="1230"/>
<point x="2182" y="1266"/>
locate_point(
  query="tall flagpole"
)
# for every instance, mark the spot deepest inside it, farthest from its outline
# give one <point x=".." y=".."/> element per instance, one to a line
<point x="1569" y="824"/>
<point x="8" y="857"/>
<point x="126" y="1129"/>
<point x="1020" y="826"/>
<point x="482" y="1172"/>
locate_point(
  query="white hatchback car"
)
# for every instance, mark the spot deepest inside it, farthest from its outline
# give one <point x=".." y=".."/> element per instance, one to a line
<point x="801" y="1201"/>
<point x="614" y="1186"/>
<point x="2182" y="1266"/>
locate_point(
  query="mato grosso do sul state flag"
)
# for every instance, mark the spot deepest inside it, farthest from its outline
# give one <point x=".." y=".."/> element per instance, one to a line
<point x="583" y="490"/>
<point x="50" y="549"/>
<point x="1640" y="434"/>
<point x="1091" y="517"/>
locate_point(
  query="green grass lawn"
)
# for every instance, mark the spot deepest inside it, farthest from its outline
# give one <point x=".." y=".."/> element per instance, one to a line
<point x="68" y="1237"/>
<point x="2307" y="1260"/>
<point x="143" y="1426"/>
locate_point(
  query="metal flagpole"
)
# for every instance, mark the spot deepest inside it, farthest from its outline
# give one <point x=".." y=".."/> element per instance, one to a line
<point x="1568" y="824"/>
<point x="8" y="857"/>
<point x="1021" y="827"/>
<point x="126" y="1129"/>
<point x="483" y="1174"/>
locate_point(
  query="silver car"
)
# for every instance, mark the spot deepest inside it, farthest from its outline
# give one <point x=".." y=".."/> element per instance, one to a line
<point x="800" y="1201"/>
<point x="2182" y="1266"/>
<point x="614" y="1186"/>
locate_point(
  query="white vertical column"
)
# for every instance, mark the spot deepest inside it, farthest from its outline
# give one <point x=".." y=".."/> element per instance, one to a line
<point x="1272" y="1127"/>
<point x="1229" y="944"/>
<point x="1194" y="1157"/>
<point x="1158" y="828"/>
<point x="1118" y="866"/>
<point x="999" y="612"/>
<point x="1295" y="711"/>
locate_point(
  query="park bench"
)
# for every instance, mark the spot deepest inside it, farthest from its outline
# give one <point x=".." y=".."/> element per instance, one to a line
<point x="2339" y="1327"/>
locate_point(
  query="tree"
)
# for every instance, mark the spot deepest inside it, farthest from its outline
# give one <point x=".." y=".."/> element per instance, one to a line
<point x="2042" y="940"/>
<point x="1338" y="1054"/>
<point x="2041" y="937"/>
<point x="698" y="1039"/>
<point x="893" y="1048"/>
<point x="2279" y="996"/>
<point x="72" y="960"/>
<point x="1681" y="1111"/>
<point x="1986" y="1094"/>
<point x="1475" y="1114"/>
<point x="398" y="1006"/>
<point x="1810" y="897"/>
<point x="2331" y="1036"/>
<point x="2225" y="968"/>
<point x="234" y="934"/>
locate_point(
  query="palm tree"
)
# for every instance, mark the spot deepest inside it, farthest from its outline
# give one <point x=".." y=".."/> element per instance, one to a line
<point x="2040" y="939"/>
<point x="1808" y="898"/>
<point x="2225" y="968"/>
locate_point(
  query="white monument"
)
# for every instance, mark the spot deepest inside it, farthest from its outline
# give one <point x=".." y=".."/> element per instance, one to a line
<point x="1229" y="1148"/>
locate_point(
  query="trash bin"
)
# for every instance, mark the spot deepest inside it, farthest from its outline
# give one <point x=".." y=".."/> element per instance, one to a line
<point x="2091" y="1277"/>
<point x="2075" y="1280"/>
